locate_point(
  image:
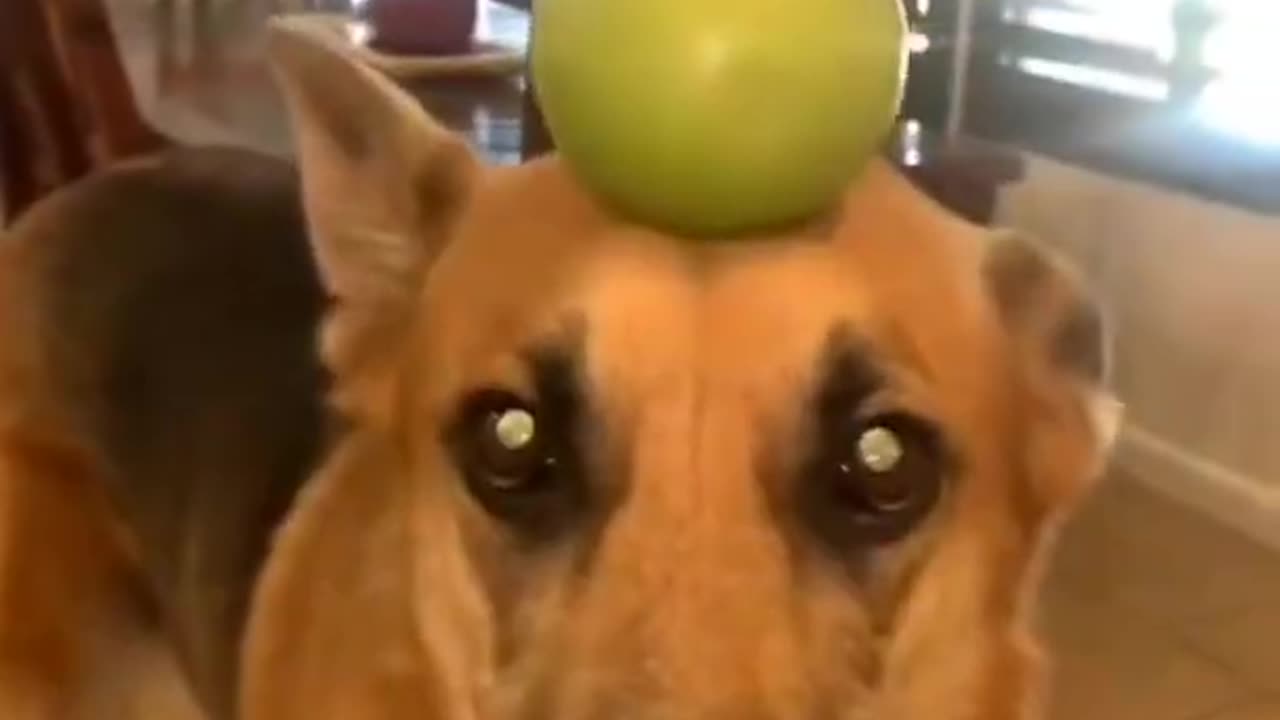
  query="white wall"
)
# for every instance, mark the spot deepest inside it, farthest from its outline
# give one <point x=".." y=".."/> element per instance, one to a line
<point x="1193" y="288"/>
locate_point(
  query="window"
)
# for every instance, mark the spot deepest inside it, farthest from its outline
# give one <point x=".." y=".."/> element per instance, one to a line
<point x="1139" y="24"/>
<point x="1235" y="57"/>
<point x="1243" y="52"/>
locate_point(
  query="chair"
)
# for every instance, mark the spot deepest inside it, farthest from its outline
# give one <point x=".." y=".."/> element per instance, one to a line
<point x="65" y="102"/>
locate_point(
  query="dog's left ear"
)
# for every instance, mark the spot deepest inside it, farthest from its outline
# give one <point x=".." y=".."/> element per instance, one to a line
<point x="1058" y="330"/>
<point x="383" y="184"/>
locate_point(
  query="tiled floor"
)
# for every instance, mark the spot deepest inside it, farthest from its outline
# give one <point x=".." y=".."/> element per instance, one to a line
<point x="1154" y="613"/>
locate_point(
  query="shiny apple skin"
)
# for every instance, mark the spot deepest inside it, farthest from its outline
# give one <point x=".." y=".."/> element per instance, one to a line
<point x="719" y="117"/>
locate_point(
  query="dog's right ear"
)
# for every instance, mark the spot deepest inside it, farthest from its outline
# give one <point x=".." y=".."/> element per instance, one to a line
<point x="1059" y="330"/>
<point x="382" y="182"/>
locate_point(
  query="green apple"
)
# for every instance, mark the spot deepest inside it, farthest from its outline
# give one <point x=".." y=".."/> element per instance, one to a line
<point x="718" y="117"/>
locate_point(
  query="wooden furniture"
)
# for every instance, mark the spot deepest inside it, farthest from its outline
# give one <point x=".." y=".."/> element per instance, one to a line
<point x="40" y="142"/>
<point x="232" y="100"/>
<point x="65" y="104"/>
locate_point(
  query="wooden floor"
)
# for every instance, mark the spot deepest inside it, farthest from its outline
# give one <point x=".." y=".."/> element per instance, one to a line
<point x="1155" y="613"/>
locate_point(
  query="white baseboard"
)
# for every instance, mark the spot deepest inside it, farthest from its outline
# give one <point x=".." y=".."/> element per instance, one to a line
<point x="1230" y="497"/>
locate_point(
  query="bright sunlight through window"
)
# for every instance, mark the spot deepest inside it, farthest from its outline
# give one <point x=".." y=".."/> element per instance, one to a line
<point x="1242" y="51"/>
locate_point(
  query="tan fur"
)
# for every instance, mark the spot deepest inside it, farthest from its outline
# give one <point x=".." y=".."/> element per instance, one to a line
<point x="389" y="594"/>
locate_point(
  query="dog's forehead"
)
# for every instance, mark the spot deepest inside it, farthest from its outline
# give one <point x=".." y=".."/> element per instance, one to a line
<point x="536" y="262"/>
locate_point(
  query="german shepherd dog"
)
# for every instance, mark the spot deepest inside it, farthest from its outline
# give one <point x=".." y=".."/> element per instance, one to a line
<point x="406" y="437"/>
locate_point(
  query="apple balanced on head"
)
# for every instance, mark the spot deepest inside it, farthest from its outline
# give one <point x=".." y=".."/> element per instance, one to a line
<point x="718" y="117"/>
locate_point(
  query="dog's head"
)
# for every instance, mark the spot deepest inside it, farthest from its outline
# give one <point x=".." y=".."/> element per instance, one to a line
<point x="805" y="476"/>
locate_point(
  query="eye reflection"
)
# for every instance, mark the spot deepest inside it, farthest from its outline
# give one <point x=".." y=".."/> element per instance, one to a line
<point x="515" y="428"/>
<point x="879" y="449"/>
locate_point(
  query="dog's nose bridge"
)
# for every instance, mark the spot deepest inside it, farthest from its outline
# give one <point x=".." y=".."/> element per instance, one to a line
<point x="697" y="544"/>
<point x="693" y="474"/>
<point x="692" y="588"/>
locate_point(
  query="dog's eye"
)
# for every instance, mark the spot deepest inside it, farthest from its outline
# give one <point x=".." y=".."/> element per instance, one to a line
<point x="880" y="477"/>
<point x="502" y="445"/>
<point x="512" y="459"/>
